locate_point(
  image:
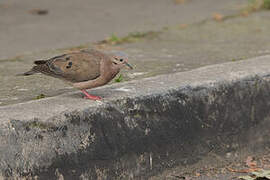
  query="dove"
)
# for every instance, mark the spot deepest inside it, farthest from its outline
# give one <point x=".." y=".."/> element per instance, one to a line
<point x="84" y="69"/>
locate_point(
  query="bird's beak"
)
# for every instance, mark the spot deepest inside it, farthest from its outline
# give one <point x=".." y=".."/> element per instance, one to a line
<point x="128" y="65"/>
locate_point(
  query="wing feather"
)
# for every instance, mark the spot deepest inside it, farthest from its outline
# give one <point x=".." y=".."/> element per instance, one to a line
<point x="74" y="67"/>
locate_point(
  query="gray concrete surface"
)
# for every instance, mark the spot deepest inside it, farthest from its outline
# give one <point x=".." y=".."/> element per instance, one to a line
<point x="138" y="132"/>
<point x="174" y="125"/>
<point x="70" y="24"/>
<point x="172" y="50"/>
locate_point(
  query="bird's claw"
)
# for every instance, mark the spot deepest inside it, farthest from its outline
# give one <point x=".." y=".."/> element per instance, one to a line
<point x="89" y="96"/>
<point x="95" y="98"/>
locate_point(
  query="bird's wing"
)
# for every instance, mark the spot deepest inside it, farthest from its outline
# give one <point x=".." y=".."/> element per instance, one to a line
<point x="74" y="67"/>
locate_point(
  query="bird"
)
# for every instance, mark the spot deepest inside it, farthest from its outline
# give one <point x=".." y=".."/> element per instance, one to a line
<point x="83" y="69"/>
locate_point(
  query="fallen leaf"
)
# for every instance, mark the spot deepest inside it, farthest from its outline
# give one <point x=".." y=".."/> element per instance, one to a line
<point x="244" y="170"/>
<point x="250" y="162"/>
<point x="119" y="79"/>
<point x="218" y="17"/>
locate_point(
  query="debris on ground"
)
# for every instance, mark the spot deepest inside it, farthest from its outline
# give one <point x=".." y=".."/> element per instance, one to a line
<point x="119" y="79"/>
<point x="38" y="11"/>
<point x="218" y="17"/>
<point x="40" y="96"/>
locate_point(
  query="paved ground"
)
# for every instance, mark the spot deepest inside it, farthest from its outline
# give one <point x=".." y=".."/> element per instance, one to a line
<point x="225" y="107"/>
<point x="70" y="24"/>
<point x="179" y="47"/>
<point x="173" y="50"/>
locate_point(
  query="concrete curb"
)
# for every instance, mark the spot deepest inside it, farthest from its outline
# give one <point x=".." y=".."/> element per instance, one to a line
<point x="141" y="127"/>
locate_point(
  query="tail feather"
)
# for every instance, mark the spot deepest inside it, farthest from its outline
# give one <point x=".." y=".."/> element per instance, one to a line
<point x="34" y="70"/>
<point x="38" y="62"/>
<point x="28" y="73"/>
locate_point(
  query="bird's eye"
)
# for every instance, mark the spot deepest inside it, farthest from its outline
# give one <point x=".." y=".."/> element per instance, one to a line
<point x="121" y="60"/>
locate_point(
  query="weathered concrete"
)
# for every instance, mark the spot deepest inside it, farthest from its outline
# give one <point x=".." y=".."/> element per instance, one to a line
<point x="173" y="50"/>
<point x="134" y="132"/>
<point x="71" y="24"/>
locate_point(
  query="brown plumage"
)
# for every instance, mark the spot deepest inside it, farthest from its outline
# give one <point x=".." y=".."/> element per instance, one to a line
<point x="84" y="69"/>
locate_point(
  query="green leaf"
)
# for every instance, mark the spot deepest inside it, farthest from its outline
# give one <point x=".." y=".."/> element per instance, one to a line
<point x="119" y="79"/>
<point x="114" y="38"/>
<point x="40" y="96"/>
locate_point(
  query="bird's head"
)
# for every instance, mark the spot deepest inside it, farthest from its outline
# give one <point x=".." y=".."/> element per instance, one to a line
<point x="120" y="60"/>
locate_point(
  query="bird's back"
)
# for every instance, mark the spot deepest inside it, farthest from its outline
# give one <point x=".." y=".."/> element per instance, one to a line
<point x="75" y="67"/>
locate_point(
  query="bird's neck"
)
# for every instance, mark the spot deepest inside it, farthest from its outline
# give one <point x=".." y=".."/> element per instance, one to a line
<point x="108" y="72"/>
<point x="111" y="73"/>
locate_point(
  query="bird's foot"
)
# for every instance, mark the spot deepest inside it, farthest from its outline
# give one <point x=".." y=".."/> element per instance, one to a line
<point x="91" y="97"/>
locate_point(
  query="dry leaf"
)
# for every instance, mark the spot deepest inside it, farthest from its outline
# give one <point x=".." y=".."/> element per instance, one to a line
<point x="244" y="170"/>
<point x="250" y="163"/>
<point x="218" y="17"/>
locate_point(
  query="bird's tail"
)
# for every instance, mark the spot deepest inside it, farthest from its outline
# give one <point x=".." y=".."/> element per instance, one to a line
<point x="38" y="62"/>
<point x="28" y="73"/>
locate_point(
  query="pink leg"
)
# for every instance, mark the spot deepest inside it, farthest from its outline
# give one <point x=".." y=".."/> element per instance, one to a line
<point x="89" y="96"/>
